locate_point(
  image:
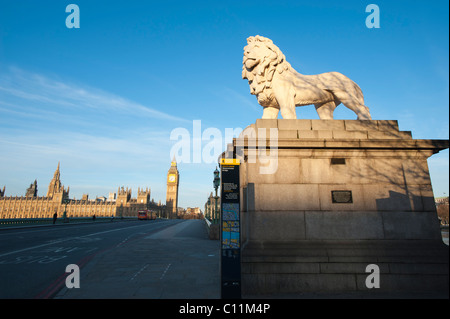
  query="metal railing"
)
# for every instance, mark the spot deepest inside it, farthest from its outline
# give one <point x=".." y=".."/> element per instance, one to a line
<point x="44" y="221"/>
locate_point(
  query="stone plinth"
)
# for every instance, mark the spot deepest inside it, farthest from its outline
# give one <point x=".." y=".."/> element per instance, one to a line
<point x="358" y="191"/>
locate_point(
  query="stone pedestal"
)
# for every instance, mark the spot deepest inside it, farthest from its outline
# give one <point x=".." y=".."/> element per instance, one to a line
<point x="328" y="197"/>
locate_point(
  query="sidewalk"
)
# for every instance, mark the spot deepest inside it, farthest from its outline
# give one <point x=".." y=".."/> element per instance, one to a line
<point x="179" y="262"/>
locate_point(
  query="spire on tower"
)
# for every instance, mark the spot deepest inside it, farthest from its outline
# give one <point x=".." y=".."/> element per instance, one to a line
<point x="174" y="161"/>
<point x="55" y="184"/>
<point x="57" y="173"/>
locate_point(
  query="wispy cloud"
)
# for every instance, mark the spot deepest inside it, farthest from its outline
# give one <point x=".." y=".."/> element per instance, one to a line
<point x="100" y="138"/>
<point x="47" y="92"/>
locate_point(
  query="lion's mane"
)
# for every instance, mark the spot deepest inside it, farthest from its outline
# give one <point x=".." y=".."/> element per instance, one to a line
<point x="260" y="76"/>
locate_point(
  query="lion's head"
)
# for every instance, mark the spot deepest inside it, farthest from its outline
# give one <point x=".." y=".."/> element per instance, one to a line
<point x="261" y="59"/>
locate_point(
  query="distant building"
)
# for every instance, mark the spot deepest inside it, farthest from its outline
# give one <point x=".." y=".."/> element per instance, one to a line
<point x="441" y="200"/>
<point x="101" y="199"/>
<point x="32" y="190"/>
<point x="191" y="213"/>
<point x="212" y="207"/>
<point x="56" y="190"/>
<point x="172" y="190"/>
<point x="111" y="197"/>
<point x="193" y="210"/>
<point x="57" y="200"/>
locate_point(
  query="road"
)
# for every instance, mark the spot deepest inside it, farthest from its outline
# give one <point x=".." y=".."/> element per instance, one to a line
<point x="33" y="260"/>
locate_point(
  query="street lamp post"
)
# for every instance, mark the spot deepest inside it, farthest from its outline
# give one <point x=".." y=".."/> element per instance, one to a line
<point x="216" y="186"/>
<point x="208" y="208"/>
<point x="65" y="202"/>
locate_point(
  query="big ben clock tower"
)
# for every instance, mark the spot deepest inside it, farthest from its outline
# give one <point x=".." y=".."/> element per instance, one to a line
<point x="172" y="190"/>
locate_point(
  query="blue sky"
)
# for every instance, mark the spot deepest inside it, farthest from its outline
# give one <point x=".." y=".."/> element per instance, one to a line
<point x="103" y="99"/>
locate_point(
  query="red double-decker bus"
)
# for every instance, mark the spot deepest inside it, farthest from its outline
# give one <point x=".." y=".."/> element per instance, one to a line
<point x="146" y="214"/>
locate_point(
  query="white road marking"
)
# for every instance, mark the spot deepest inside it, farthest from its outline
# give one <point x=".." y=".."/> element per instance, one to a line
<point x="67" y="239"/>
<point x="164" y="273"/>
<point x="132" y="278"/>
<point x="34" y="247"/>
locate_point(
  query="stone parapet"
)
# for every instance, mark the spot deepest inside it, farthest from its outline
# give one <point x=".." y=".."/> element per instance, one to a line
<point x="356" y="182"/>
<point x="288" y="268"/>
<point x="334" y="129"/>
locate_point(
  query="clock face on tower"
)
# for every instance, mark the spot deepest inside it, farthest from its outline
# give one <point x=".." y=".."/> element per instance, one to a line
<point x="171" y="178"/>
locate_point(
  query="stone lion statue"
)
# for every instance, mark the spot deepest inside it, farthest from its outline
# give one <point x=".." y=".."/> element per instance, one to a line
<point x="278" y="87"/>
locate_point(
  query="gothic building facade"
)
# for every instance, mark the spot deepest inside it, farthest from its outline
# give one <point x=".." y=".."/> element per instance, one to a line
<point x="57" y="200"/>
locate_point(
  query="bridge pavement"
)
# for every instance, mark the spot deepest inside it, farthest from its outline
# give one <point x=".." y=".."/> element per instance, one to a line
<point x="178" y="262"/>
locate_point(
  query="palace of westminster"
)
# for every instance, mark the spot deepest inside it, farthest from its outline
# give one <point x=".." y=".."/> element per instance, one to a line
<point x="119" y="204"/>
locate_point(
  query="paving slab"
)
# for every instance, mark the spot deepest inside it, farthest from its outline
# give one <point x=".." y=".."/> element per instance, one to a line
<point x="179" y="262"/>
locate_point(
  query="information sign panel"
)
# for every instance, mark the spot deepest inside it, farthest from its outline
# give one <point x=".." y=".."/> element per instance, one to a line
<point x="230" y="229"/>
